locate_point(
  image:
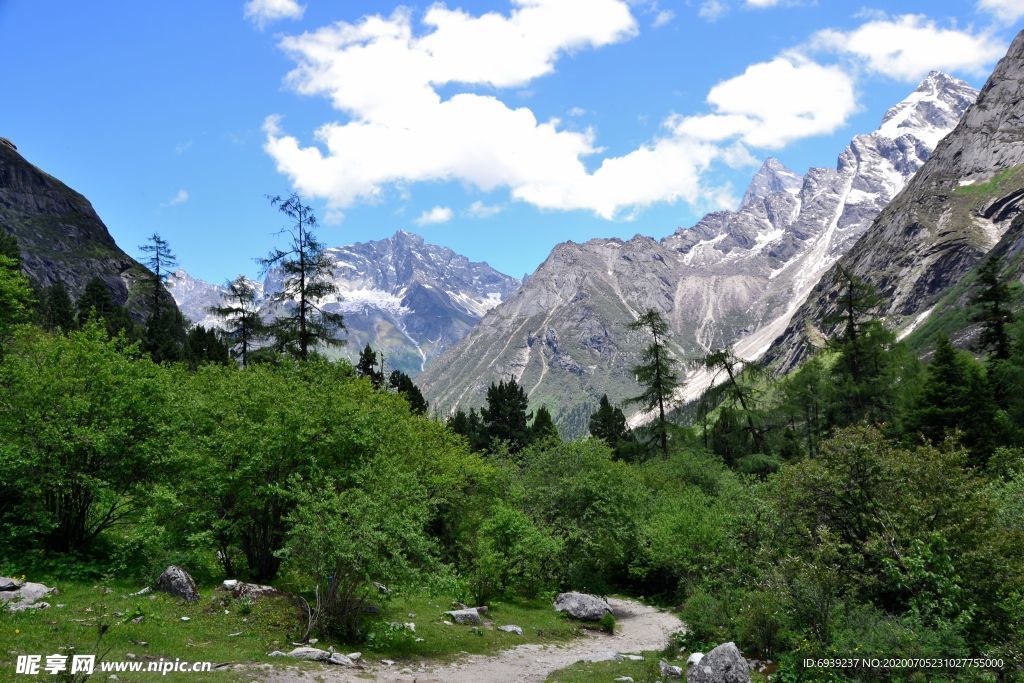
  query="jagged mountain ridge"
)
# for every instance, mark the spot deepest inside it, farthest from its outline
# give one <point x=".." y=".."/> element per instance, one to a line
<point x="59" y="234"/>
<point x="954" y="211"/>
<point x="405" y="297"/>
<point x="732" y="279"/>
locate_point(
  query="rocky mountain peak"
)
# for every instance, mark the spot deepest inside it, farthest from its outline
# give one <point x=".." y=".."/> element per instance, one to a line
<point x="771" y="178"/>
<point x="931" y="110"/>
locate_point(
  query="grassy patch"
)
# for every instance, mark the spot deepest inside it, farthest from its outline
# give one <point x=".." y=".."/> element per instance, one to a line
<point x="646" y="671"/>
<point x="225" y="631"/>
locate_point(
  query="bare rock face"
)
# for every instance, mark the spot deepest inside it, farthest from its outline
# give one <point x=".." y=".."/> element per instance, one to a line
<point x="951" y="214"/>
<point x="724" y="664"/>
<point x="733" y="279"/>
<point x="178" y="583"/>
<point x="60" y="236"/>
<point x="582" y="606"/>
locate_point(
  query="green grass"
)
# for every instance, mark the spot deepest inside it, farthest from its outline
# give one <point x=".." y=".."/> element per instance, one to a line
<point x="641" y="672"/>
<point x="272" y="624"/>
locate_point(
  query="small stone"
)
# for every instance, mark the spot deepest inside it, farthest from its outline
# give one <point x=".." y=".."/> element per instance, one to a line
<point x="669" y="671"/>
<point x="275" y="653"/>
<point x="129" y="655"/>
<point x="464" y="616"/>
<point x="624" y="679"/>
<point x="387" y="662"/>
<point x="178" y="583"/>
<point x="340" y="660"/>
<point x="311" y="654"/>
<point x="186" y="619"/>
<point x="232" y="635"/>
<point x="137" y="620"/>
<point x="354" y="656"/>
<point x="512" y="628"/>
<point x="229" y="584"/>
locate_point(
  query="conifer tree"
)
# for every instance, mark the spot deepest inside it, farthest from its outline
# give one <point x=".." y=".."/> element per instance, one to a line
<point x="608" y="423"/>
<point x="165" y="337"/>
<point x="726" y="361"/>
<point x="57" y="313"/>
<point x="656" y="373"/>
<point x="307" y="272"/>
<point x="543" y="426"/>
<point x="993" y="295"/>
<point x="368" y="367"/>
<point x="505" y="417"/>
<point x="206" y="346"/>
<point x="470" y="426"/>
<point x="241" y="313"/>
<point x="404" y="385"/>
<point x="96" y="303"/>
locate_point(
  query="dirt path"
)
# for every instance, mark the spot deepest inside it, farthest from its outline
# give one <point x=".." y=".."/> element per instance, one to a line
<point x="639" y="628"/>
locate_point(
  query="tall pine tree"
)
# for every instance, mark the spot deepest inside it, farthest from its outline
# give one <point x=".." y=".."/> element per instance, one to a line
<point x="96" y="303"/>
<point x="307" y="280"/>
<point x="241" y="313"/>
<point x="543" y="427"/>
<point x="505" y="417"/>
<point x="165" y="337"/>
<point x="993" y="296"/>
<point x="56" y="312"/>
<point x="403" y="384"/>
<point x="368" y="367"/>
<point x="656" y="373"/>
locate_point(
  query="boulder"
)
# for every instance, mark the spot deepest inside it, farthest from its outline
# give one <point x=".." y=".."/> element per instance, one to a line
<point x="582" y="606"/>
<point x="253" y="591"/>
<point x="24" y="595"/>
<point x="512" y="628"/>
<point x="310" y="654"/>
<point x="464" y="616"/>
<point x="724" y="664"/>
<point x="669" y="671"/>
<point x="178" y="583"/>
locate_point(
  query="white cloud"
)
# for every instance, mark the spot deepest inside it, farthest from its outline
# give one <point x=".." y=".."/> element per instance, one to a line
<point x="774" y="103"/>
<point x="662" y="18"/>
<point x="435" y="216"/>
<point x="1008" y="11"/>
<point x="182" y="147"/>
<point x="577" y="111"/>
<point x="407" y="133"/>
<point x="712" y="9"/>
<point x="762" y="3"/>
<point x="909" y="46"/>
<point x="480" y="210"/>
<point x="263" y="12"/>
<point x="180" y="197"/>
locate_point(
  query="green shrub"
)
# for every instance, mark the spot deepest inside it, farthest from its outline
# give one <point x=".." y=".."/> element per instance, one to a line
<point x="607" y="623"/>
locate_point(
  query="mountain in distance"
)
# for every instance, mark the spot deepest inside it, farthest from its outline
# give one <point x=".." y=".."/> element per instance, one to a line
<point x="406" y="298"/>
<point x="733" y="279"/>
<point x="957" y="209"/>
<point x="59" y="234"/>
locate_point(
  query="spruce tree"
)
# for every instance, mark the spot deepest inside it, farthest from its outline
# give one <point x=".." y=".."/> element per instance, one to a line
<point x="165" y="337"/>
<point x="608" y="423"/>
<point x="505" y="417"/>
<point x="656" y="373"/>
<point x="993" y="296"/>
<point x="726" y="361"/>
<point x="96" y="303"/>
<point x="470" y="426"/>
<point x="207" y="346"/>
<point x="404" y="385"/>
<point x="241" y="314"/>
<point x="307" y="280"/>
<point x="368" y="367"/>
<point x="543" y="427"/>
<point x="57" y="313"/>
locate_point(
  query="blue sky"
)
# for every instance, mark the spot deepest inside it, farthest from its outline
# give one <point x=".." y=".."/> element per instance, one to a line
<point x="497" y="128"/>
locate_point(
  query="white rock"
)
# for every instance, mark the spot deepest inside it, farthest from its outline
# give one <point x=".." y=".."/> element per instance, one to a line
<point x="512" y="628"/>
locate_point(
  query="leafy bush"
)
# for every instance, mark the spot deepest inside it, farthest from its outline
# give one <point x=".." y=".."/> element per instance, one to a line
<point x="513" y="555"/>
<point x="607" y="623"/>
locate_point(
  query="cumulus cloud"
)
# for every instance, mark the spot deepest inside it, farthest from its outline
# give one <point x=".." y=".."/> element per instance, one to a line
<point x="909" y="46"/>
<point x="407" y="132"/>
<point x="1008" y="11"/>
<point x="762" y="3"/>
<point x="263" y="12"/>
<point x="774" y="103"/>
<point x="180" y="197"/>
<point x="435" y="216"/>
<point x="480" y="210"/>
<point x="712" y="9"/>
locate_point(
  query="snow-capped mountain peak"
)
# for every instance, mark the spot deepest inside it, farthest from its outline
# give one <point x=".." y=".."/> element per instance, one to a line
<point x="772" y="177"/>
<point x="403" y="296"/>
<point x="931" y="111"/>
